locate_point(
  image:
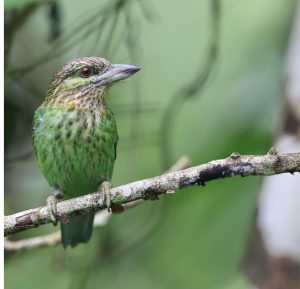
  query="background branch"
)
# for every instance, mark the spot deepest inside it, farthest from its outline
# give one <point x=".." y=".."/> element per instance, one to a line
<point x="235" y="165"/>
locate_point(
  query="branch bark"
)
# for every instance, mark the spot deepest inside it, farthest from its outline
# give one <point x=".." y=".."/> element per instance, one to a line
<point x="235" y="165"/>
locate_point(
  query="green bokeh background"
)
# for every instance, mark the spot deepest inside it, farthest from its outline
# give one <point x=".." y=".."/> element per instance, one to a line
<point x="195" y="238"/>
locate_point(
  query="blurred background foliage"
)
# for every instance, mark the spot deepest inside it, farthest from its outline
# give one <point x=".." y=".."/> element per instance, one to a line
<point x="211" y="83"/>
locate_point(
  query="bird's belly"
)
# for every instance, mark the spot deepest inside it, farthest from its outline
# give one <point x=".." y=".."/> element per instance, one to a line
<point x="83" y="166"/>
<point x="77" y="157"/>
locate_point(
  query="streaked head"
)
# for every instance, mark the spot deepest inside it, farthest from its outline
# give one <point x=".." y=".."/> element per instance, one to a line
<point x="87" y="75"/>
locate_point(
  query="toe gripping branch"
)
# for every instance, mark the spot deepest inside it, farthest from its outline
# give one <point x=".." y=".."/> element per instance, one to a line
<point x="52" y="209"/>
<point x="104" y="188"/>
<point x="52" y="204"/>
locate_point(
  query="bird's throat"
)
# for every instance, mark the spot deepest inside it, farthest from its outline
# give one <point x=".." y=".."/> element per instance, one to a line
<point x="81" y="99"/>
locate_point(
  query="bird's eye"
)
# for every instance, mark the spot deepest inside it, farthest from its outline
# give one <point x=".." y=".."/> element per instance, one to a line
<point x="85" y="72"/>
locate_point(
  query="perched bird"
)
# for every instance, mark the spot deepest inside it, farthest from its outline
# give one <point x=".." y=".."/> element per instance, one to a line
<point x="75" y="137"/>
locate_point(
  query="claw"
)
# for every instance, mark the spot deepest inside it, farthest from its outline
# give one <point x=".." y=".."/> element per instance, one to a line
<point x="52" y="203"/>
<point x="105" y="190"/>
<point x="52" y="209"/>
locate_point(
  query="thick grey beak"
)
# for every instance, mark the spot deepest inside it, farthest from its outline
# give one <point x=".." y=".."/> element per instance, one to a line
<point x="115" y="73"/>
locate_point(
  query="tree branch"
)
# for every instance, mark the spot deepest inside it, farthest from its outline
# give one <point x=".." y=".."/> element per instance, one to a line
<point x="235" y="165"/>
<point x="101" y="219"/>
<point x="51" y="239"/>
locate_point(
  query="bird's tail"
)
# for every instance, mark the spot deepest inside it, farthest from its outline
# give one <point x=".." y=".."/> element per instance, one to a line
<point x="78" y="230"/>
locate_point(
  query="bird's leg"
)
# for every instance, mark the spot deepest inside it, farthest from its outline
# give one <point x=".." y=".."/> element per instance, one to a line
<point x="52" y="203"/>
<point x="104" y="188"/>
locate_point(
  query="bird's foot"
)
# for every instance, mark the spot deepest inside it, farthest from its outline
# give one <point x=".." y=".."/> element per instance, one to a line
<point x="52" y="209"/>
<point x="52" y="204"/>
<point x="104" y="188"/>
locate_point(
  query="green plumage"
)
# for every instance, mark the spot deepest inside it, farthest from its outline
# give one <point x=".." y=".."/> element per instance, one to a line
<point x="76" y="151"/>
<point x="75" y="134"/>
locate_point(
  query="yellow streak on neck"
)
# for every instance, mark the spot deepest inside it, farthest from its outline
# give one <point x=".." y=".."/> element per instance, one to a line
<point x="79" y="101"/>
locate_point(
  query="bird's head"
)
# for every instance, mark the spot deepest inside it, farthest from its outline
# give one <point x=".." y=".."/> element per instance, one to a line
<point x="85" y="80"/>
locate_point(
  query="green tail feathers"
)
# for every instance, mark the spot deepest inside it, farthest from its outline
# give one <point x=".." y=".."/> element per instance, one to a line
<point x="78" y="230"/>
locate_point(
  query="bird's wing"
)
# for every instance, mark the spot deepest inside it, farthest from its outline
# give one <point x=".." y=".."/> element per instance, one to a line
<point x="36" y="125"/>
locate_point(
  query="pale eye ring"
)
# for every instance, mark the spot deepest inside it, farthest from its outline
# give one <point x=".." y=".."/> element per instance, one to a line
<point x="86" y="71"/>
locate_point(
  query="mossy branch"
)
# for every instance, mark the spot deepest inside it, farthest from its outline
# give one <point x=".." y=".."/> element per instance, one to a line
<point x="235" y="165"/>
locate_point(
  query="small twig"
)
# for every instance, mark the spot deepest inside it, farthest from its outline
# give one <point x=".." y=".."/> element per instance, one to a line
<point x="101" y="219"/>
<point x="235" y="165"/>
<point x="32" y="243"/>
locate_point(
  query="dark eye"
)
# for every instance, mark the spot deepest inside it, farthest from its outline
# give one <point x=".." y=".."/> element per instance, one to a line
<point x="86" y="72"/>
